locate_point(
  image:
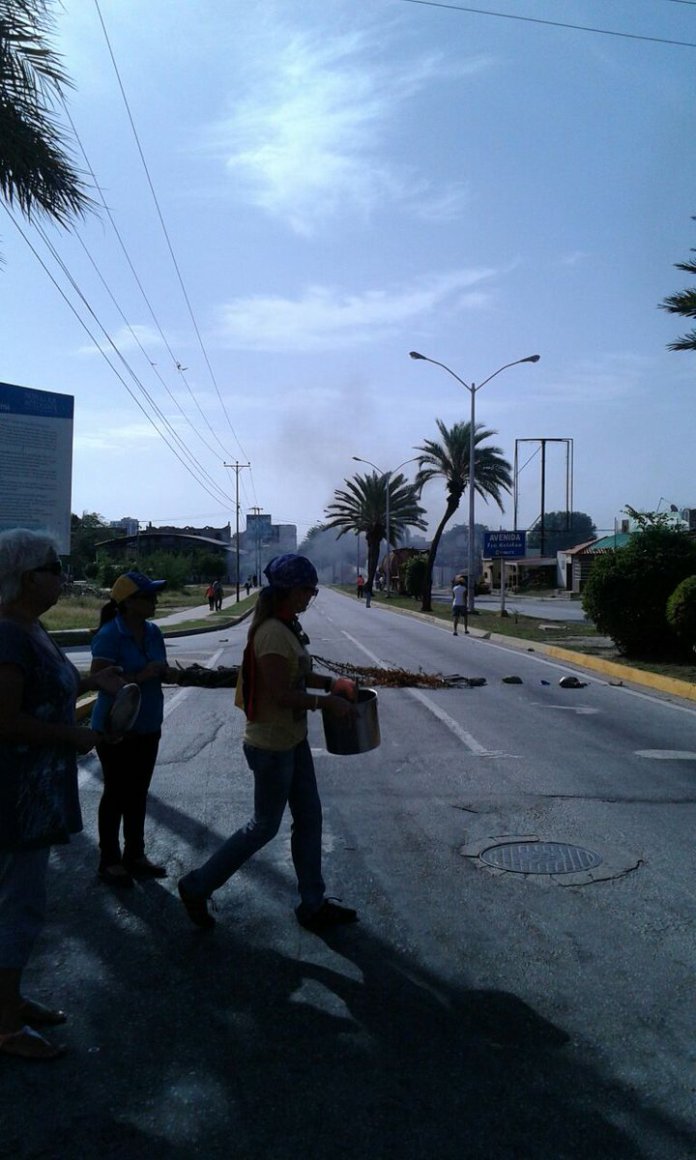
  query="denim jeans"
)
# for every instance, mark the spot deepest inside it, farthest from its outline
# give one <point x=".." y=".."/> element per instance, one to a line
<point x="281" y="778"/>
<point x="22" y="904"/>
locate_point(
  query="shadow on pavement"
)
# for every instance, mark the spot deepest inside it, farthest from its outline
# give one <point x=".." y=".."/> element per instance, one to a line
<point x="259" y="1041"/>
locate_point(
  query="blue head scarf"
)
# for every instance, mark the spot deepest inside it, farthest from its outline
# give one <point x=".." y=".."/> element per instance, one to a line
<point x="291" y="571"/>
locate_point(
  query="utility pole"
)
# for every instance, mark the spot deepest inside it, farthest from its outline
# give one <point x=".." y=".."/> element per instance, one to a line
<point x="257" y="545"/>
<point x="237" y="467"/>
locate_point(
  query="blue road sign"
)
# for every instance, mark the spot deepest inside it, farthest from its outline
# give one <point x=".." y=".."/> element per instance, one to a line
<point x="504" y="544"/>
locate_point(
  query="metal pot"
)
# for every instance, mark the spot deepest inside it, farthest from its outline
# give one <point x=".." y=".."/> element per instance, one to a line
<point x="355" y="734"/>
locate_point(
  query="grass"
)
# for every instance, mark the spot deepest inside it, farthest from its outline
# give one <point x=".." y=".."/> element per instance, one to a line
<point x="83" y="611"/>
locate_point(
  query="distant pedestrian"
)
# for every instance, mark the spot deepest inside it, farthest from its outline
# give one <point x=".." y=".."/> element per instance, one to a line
<point x="210" y="595"/>
<point x="247" y="586"/>
<point x="218" y="595"/>
<point x="360" y="585"/>
<point x="460" y="596"/>
<point x="368" y="595"/>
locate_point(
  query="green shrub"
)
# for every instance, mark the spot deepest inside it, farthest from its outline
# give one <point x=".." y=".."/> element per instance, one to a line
<point x="627" y="591"/>
<point x="415" y="575"/>
<point x="681" y="611"/>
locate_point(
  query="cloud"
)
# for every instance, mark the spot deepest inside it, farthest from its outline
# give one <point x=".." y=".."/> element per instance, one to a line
<point x="312" y="145"/>
<point x="126" y="340"/>
<point x="324" y="318"/>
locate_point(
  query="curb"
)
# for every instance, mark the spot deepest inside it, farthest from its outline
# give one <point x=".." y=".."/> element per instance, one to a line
<point x="73" y="636"/>
<point x="670" y="685"/>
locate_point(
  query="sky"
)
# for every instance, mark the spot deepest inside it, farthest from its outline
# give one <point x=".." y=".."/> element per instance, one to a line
<point x="291" y="196"/>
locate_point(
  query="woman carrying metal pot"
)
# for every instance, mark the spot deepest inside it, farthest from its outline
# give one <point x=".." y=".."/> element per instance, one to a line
<point x="276" y="690"/>
<point x="39" y="744"/>
<point x="126" y="637"/>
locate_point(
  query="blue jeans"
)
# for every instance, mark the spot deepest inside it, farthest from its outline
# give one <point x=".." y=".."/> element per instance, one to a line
<point x="284" y="777"/>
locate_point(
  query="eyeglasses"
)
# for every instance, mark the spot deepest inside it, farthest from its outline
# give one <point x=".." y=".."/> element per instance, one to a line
<point x="314" y="591"/>
<point x="144" y="596"/>
<point x="55" y="568"/>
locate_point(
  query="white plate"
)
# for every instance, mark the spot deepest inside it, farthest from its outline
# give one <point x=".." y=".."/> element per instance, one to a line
<point x="124" y="711"/>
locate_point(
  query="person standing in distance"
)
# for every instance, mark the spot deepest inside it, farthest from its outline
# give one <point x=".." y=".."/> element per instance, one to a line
<point x="274" y="692"/>
<point x="460" y="596"/>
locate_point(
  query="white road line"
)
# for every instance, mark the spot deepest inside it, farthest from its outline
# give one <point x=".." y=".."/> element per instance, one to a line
<point x="454" y="727"/>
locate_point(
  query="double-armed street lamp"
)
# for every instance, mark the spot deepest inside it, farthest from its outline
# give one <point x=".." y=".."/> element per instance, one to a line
<point x="472" y="388"/>
<point x="387" y="475"/>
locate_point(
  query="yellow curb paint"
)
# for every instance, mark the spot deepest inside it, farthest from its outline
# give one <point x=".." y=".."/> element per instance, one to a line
<point x="623" y="672"/>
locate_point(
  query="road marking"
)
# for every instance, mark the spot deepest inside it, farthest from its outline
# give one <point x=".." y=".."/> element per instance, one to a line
<point x="467" y="739"/>
<point x="568" y="708"/>
<point x="667" y="754"/>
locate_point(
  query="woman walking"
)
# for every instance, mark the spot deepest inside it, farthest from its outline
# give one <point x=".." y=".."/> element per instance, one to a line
<point x="127" y="638"/>
<point x="275" y="694"/>
<point x="39" y="743"/>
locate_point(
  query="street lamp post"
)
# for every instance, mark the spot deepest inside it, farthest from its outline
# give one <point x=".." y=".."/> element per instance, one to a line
<point x="388" y="476"/>
<point x="472" y="389"/>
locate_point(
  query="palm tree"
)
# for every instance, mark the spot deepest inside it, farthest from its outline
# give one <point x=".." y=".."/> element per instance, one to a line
<point x="449" y="460"/>
<point x="362" y="507"/>
<point x="35" y="170"/>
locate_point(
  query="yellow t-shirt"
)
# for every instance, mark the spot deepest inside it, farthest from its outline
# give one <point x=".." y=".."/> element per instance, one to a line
<point x="277" y="727"/>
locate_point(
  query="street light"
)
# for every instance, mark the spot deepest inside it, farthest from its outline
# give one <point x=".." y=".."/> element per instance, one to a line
<point x="388" y="475"/>
<point x="472" y="389"/>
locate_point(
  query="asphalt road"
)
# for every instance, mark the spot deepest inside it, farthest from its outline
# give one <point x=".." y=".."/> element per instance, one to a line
<point x="472" y="1013"/>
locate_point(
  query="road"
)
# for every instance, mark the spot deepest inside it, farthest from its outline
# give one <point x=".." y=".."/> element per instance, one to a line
<point x="472" y="1013"/>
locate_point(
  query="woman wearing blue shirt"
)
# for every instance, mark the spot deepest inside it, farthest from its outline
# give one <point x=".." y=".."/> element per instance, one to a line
<point x="127" y="638"/>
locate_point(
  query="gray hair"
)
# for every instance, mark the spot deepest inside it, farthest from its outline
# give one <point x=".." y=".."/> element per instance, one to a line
<point x="21" y="550"/>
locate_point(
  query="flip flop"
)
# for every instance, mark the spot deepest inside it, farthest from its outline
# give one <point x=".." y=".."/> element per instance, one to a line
<point x="36" y="1014"/>
<point x="29" y="1044"/>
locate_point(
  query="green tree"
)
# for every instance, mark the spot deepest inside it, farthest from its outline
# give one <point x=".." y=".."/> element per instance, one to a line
<point x="627" y="590"/>
<point x="683" y="303"/>
<point x="86" y="531"/>
<point x="448" y="460"/>
<point x="35" y="168"/>
<point x="415" y="576"/>
<point x="362" y="506"/>
<point x="561" y="530"/>
<point x="681" y="611"/>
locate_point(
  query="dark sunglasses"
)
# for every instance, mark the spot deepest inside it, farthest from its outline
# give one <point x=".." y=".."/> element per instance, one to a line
<point x="306" y="588"/>
<point x="144" y="596"/>
<point x="56" y="568"/>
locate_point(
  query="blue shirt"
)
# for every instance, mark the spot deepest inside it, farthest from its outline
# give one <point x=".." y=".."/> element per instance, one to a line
<point x="115" y="643"/>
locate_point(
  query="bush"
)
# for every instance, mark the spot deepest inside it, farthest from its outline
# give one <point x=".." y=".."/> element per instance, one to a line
<point x="627" y="591"/>
<point x="415" y="576"/>
<point x="681" y="611"/>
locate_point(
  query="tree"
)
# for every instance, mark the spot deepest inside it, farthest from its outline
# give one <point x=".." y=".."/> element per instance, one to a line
<point x="681" y="611"/>
<point x="561" y="530"/>
<point x="683" y="303"/>
<point x="449" y="460"/>
<point x="35" y="169"/>
<point x="627" y="590"/>
<point x="362" y="507"/>
<point x="86" y="531"/>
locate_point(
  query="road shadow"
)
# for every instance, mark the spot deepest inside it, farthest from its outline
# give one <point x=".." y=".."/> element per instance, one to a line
<point x="260" y="1041"/>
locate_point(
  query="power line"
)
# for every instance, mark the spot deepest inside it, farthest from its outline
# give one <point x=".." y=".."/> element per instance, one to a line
<point x="164" y="228"/>
<point x="83" y="324"/>
<point x="138" y="282"/>
<point x="552" y="23"/>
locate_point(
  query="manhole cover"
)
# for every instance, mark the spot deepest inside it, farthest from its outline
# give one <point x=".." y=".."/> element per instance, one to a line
<point x="540" y="858"/>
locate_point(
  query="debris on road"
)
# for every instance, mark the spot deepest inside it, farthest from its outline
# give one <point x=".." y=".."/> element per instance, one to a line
<point x="398" y="678"/>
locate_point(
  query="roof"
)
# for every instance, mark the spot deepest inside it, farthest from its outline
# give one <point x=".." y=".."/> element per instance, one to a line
<point x="603" y="544"/>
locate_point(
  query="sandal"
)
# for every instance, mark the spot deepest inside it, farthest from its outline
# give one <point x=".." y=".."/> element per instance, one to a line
<point x="36" y="1014"/>
<point x="29" y="1044"/>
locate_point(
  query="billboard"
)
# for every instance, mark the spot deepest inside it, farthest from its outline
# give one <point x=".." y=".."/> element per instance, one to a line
<point x="36" y="437"/>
